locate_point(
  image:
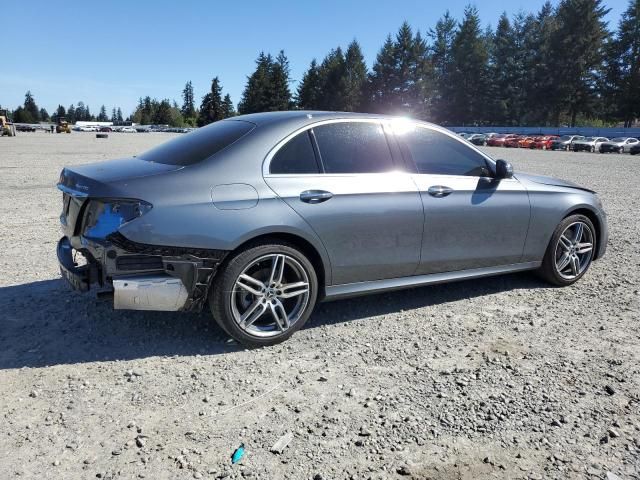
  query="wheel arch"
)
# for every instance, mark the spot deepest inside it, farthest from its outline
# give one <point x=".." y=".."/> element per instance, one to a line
<point x="595" y="219"/>
<point x="320" y="263"/>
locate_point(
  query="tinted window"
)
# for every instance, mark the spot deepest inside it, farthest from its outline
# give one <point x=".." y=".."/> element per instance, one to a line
<point x="199" y="144"/>
<point x="353" y="147"/>
<point x="438" y="154"/>
<point x="296" y="156"/>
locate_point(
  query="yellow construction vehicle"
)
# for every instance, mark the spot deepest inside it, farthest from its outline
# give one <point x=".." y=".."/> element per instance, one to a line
<point x="6" y="126"/>
<point x="63" y="126"/>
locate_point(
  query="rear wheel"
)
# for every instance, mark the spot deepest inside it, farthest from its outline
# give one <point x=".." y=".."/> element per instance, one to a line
<point x="570" y="251"/>
<point x="264" y="294"/>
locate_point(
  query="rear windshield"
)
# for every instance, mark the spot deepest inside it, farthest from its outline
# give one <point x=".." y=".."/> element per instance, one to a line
<point x="198" y="145"/>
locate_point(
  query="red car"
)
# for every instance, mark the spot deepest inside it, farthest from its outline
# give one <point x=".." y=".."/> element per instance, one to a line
<point x="544" y="142"/>
<point x="513" y="141"/>
<point x="499" y="139"/>
<point x="526" y="142"/>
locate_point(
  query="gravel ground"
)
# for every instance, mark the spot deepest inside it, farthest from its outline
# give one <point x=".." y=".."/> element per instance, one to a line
<point x="491" y="378"/>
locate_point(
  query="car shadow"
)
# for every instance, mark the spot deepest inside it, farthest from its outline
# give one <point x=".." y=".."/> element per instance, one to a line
<point x="44" y="323"/>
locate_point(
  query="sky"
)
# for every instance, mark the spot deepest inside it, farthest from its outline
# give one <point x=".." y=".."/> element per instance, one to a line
<point x="114" y="52"/>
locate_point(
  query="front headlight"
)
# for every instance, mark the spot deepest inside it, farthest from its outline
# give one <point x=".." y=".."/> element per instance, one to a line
<point x="103" y="217"/>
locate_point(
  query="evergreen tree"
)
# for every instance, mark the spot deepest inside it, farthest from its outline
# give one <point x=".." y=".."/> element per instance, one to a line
<point x="355" y="71"/>
<point x="228" y="110"/>
<point x="256" y="95"/>
<point x="188" y="104"/>
<point x="119" y="116"/>
<point x="267" y="87"/>
<point x="310" y="89"/>
<point x="162" y="114"/>
<point x="442" y="60"/>
<point x="333" y="82"/>
<point x="31" y="109"/>
<point x="71" y="114"/>
<point x="623" y="67"/>
<point x="60" y="112"/>
<point x="578" y="47"/>
<point x="280" y="93"/>
<point x="402" y="75"/>
<point x="102" y="116"/>
<point x="211" y="109"/>
<point x="469" y="78"/>
<point x="381" y="79"/>
<point x="114" y="117"/>
<point x="44" y="115"/>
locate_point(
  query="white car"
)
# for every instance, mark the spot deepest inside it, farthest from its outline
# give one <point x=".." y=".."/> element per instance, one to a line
<point x="88" y="128"/>
<point x="127" y="130"/>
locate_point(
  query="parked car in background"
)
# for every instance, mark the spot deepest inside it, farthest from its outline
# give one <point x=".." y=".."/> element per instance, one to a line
<point x="478" y="139"/>
<point x="635" y="149"/>
<point x="464" y="134"/>
<point x="261" y="216"/>
<point x="497" y="140"/>
<point x="25" y="128"/>
<point x="128" y="130"/>
<point x="526" y="142"/>
<point x="513" y="141"/>
<point x="544" y="142"/>
<point x="565" y="142"/>
<point x="619" y="145"/>
<point x="589" y="144"/>
<point x="87" y="128"/>
<point x="105" y="129"/>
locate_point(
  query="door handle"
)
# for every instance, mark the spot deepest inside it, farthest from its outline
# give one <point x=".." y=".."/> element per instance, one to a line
<point x="315" y="196"/>
<point x="439" y="191"/>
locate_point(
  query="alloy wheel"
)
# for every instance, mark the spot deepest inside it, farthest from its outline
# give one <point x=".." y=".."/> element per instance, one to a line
<point x="574" y="250"/>
<point x="270" y="295"/>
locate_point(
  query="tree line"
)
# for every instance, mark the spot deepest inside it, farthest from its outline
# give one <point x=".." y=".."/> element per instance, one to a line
<point x="558" y="66"/>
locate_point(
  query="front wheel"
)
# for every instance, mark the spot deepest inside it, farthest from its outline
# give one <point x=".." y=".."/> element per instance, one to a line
<point x="570" y="251"/>
<point x="264" y="294"/>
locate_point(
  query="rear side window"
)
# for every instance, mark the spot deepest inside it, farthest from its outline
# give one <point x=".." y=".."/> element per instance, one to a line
<point x="199" y="144"/>
<point x="353" y="147"/>
<point x="438" y="154"/>
<point x="296" y="156"/>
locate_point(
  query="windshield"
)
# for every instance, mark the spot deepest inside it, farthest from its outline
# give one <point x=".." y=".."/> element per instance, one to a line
<point x="589" y="139"/>
<point x="618" y="139"/>
<point x="200" y="144"/>
<point x="564" y="138"/>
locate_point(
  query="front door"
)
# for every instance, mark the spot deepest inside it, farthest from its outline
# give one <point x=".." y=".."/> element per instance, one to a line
<point x="471" y="219"/>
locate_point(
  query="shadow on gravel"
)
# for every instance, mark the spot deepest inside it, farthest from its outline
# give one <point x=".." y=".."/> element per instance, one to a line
<point x="43" y="323"/>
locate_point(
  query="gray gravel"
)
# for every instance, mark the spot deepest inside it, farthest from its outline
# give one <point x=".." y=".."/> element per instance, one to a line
<point x="493" y="378"/>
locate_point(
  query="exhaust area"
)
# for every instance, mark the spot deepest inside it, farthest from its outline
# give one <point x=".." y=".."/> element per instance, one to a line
<point x="149" y="292"/>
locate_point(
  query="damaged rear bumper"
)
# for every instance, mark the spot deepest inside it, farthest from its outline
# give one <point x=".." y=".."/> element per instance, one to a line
<point x="140" y="276"/>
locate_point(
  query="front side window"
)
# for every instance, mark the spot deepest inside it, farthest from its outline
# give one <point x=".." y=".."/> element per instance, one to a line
<point x="353" y="147"/>
<point x="436" y="153"/>
<point x="295" y="157"/>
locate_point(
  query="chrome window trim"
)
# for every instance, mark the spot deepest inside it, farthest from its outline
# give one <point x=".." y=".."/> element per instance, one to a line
<point x="384" y="122"/>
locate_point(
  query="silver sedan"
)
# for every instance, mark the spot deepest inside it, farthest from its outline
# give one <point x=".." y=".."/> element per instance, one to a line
<point x="262" y="216"/>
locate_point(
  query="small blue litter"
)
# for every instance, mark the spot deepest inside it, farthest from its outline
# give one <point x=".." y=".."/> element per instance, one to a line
<point x="237" y="455"/>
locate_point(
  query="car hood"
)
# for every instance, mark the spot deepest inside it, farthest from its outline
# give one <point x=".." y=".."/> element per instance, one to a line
<point x="541" y="179"/>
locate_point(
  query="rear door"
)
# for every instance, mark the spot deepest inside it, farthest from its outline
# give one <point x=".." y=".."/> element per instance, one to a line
<point x="471" y="219"/>
<point x="342" y="179"/>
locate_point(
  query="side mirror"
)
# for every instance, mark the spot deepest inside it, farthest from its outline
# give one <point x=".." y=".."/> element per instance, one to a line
<point x="503" y="169"/>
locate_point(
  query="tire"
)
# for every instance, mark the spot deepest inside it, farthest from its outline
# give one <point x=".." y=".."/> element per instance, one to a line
<point x="258" y="301"/>
<point x="562" y="243"/>
<point x="102" y="135"/>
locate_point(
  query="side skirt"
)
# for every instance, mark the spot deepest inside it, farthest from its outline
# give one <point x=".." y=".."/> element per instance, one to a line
<point x="335" y="292"/>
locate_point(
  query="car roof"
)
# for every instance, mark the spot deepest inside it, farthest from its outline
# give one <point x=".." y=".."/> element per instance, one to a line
<point x="305" y="117"/>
